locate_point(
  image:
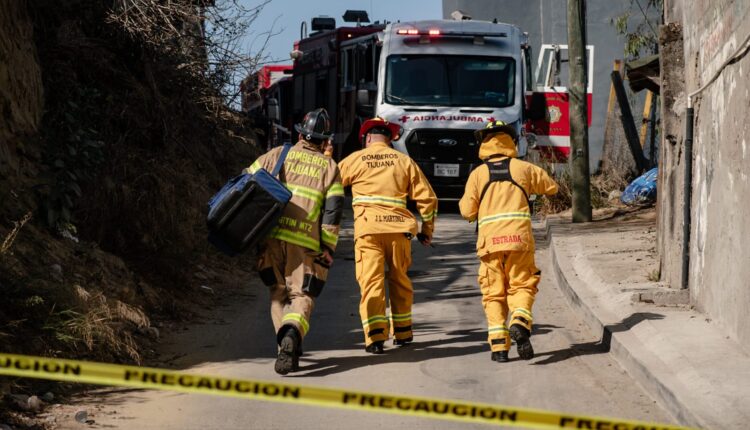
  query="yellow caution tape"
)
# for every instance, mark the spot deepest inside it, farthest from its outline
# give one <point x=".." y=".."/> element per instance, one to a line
<point x="160" y="379"/>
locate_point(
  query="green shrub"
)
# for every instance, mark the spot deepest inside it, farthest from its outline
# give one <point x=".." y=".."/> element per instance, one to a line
<point x="72" y="154"/>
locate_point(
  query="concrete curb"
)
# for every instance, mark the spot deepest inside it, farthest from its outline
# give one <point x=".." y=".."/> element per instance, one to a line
<point x="623" y="343"/>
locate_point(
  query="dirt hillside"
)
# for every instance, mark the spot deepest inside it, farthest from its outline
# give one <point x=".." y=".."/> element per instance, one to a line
<point x="109" y="152"/>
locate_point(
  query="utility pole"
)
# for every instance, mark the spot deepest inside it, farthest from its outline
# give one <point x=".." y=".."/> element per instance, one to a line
<point x="579" y="130"/>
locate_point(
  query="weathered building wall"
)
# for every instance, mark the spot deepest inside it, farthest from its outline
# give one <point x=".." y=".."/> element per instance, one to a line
<point x="671" y="152"/>
<point x="719" y="255"/>
<point x="20" y="81"/>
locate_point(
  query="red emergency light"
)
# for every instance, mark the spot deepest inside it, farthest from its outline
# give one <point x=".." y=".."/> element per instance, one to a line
<point x="411" y="32"/>
<point x="437" y="32"/>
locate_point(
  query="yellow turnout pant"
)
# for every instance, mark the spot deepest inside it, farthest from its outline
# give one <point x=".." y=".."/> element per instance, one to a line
<point x="372" y="253"/>
<point x="508" y="280"/>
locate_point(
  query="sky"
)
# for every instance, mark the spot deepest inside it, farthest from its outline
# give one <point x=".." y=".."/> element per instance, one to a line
<point x="288" y="15"/>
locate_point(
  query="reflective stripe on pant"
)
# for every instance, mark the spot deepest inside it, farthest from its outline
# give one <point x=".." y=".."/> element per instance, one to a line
<point x="508" y="280"/>
<point x="372" y="253"/>
<point x="284" y="267"/>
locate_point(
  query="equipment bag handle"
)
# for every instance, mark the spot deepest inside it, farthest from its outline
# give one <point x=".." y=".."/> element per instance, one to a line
<point x="280" y="161"/>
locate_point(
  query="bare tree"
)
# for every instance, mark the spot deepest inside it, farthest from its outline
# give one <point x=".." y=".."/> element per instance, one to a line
<point x="204" y="38"/>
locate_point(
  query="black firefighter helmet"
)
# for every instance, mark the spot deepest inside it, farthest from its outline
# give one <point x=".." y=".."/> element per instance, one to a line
<point x="496" y="127"/>
<point x="316" y="125"/>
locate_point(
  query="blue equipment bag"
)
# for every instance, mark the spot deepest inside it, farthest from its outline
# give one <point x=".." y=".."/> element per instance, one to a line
<point x="642" y="191"/>
<point x="245" y="210"/>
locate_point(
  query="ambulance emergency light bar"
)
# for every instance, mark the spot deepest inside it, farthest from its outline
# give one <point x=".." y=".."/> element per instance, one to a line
<point x="436" y="32"/>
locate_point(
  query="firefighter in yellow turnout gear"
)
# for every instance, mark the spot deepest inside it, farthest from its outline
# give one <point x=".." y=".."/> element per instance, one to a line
<point x="497" y="197"/>
<point x="382" y="180"/>
<point x="298" y="252"/>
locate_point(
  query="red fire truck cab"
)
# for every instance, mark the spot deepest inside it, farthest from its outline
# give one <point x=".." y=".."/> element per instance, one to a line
<point x="330" y="66"/>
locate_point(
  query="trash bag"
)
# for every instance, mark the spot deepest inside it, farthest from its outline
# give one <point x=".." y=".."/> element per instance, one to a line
<point x="642" y="191"/>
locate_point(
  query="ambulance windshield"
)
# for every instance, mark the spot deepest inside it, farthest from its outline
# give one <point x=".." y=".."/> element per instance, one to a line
<point x="450" y="80"/>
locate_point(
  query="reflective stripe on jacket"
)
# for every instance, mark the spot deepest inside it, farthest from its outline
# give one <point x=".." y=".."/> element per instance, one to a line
<point x="504" y="216"/>
<point x="382" y="180"/>
<point x="312" y="217"/>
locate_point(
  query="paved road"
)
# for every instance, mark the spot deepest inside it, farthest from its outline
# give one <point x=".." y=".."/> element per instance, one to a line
<point x="450" y="358"/>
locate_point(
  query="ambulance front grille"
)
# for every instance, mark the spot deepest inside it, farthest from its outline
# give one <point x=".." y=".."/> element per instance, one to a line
<point x="443" y="146"/>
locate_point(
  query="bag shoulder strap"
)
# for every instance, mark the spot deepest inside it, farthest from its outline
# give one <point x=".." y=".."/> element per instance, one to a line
<point x="500" y="172"/>
<point x="281" y="159"/>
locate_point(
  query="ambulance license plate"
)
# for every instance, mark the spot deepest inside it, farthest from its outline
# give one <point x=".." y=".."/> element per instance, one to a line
<point x="450" y="170"/>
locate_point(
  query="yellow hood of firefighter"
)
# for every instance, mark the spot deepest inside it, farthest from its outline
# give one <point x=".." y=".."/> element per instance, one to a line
<point x="499" y="144"/>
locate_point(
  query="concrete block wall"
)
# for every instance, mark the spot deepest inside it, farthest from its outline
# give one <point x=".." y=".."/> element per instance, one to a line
<point x="671" y="153"/>
<point x="719" y="252"/>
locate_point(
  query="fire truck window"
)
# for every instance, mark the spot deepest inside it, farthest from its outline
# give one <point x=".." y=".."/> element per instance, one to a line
<point x="342" y="69"/>
<point x="542" y="77"/>
<point x="332" y="90"/>
<point x="563" y="76"/>
<point x="550" y="76"/>
<point x="310" y="102"/>
<point x="298" y="86"/>
<point x="369" y="75"/>
<point x="349" y="68"/>
<point x="359" y="68"/>
<point x="321" y="93"/>
<point x="451" y="80"/>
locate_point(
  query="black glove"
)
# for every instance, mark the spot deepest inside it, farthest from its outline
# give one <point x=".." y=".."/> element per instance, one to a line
<point x="422" y="238"/>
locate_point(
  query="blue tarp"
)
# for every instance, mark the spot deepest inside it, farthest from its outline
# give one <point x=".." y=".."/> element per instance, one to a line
<point x="642" y="191"/>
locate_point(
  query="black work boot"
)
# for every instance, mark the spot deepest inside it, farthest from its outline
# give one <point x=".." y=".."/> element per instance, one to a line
<point x="375" y="347"/>
<point x="500" y="356"/>
<point x="404" y="341"/>
<point x="520" y="335"/>
<point x="289" y="351"/>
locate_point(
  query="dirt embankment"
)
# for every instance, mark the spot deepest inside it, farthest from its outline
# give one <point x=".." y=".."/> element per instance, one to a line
<point x="108" y="154"/>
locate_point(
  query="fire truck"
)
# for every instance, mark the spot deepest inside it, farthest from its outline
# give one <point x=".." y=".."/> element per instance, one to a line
<point x="267" y="93"/>
<point x="331" y="66"/>
<point x="254" y="88"/>
<point x="440" y="80"/>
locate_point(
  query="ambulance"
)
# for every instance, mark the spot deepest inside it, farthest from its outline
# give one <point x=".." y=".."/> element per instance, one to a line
<point x="441" y="80"/>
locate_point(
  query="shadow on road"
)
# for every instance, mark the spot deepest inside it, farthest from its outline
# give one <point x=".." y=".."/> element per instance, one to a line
<point x="599" y="347"/>
<point x="540" y="329"/>
<point x="415" y="352"/>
